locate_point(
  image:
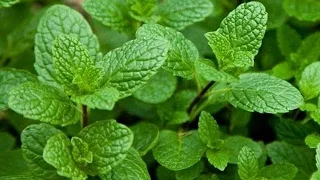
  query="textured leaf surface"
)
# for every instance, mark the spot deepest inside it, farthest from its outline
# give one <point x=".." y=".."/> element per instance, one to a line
<point x="248" y="166"/>
<point x="307" y="10"/>
<point x="182" y="53"/>
<point x="104" y="98"/>
<point x="218" y="158"/>
<point x="179" y="14"/>
<point x="132" y="167"/>
<point x="44" y="103"/>
<point x="264" y="93"/>
<point x="309" y="83"/>
<point x="58" y="20"/>
<point x="34" y="138"/>
<point x="108" y="12"/>
<point x="208" y="129"/>
<point x="279" y="171"/>
<point x="159" y="88"/>
<point x="8" y="3"/>
<point x="318" y="157"/>
<point x="129" y="67"/>
<point x="57" y="152"/>
<point x="80" y="151"/>
<point x="9" y="78"/>
<point x="239" y="37"/>
<point x="109" y="142"/>
<point x="177" y="151"/>
<point x="190" y="173"/>
<point x="145" y="137"/>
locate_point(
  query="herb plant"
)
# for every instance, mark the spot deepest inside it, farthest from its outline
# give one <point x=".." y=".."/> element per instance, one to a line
<point x="146" y="89"/>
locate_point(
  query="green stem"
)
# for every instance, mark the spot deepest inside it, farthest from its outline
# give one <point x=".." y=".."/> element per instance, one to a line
<point x="85" y="119"/>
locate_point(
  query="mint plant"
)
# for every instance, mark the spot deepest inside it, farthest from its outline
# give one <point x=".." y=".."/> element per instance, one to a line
<point x="145" y="89"/>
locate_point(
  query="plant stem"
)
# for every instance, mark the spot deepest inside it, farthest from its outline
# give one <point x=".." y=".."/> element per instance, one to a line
<point x="199" y="97"/>
<point x="85" y="119"/>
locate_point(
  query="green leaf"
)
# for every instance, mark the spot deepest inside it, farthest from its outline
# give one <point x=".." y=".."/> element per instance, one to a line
<point x="208" y="129"/>
<point x="109" y="142"/>
<point x="218" y="158"/>
<point x="159" y="88"/>
<point x="57" y="152"/>
<point x="19" y="177"/>
<point x="145" y="137"/>
<point x="131" y="66"/>
<point x="132" y="167"/>
<point x="233" y="145"/>
<point x="13" y="163"/>
<point x="309" y="83"/>
<point x="264" y="94"/>
<point x="318" y="156"/>
<point x="279" y="171"/>
<point x="7" y="141"/>
<point x="190" y="173"/>
<point x="9" y="78"/>
<point x="300" y="156"/>
<point x="44" y="103"/>
<point x="312" y="140"/>
<point x="177" y="151"/>
<point x="72" y="62"/>
<point x="210" y="73"/>
<point x="180" y="14"/>
<point x="240" y="35"/>
<point x="110" y="13"/>
<point x="141" y="10"/>
<point x="104" y="98"/>
<point x="34" y="139"/>
<point x="248" y="166"/>
<point x="276" y="14"/>
<point x="283" y="70"/>
<point x="288" y="40"/>
<point x="80" y="151"/>
<point x="315" y="175"/>
<point x="182" y="53"/>
<point x="8" y="3"/>
<point x="303" y="10"/>
<point x="58" y="20"/>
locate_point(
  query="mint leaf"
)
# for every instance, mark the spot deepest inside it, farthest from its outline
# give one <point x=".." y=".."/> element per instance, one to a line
<point x="248" y="166"/>
<point x="132" y="167"/>
<point x="318" y="157"/>
<point x="177" y="151"/>
<point x="44" y="103"/>
<point x="303" y="10"/>
<point x="57" y="152"/>
<point x="182" y="52"/>
<point x="13" y="163"/>
<point x="309" y="83"/>
<point x="9" y="78"/>
<point x="7" y="141"/>
<point x="34" y="139"/>
<point x="284" y="70"/>
<point x="218" y="158"/>
<point x="8" y="3"/>
<point x="109" y="143"/>
<point x="180" y="14"/>
<point x="58" y="20"/>
<point x="80" y="151"/>
<point x="104" y="98"/>
<point x="279" y="171"/>
<point x="240" y="35"/>
<point x="129" y="67"/>
<point x="110" y="13"/>
<point x="141" y="10"/>
<point x="208" y="129"/>
<point x="315" y="175"/>
<point x="312" y="140"/>
<point x="145" y="137"/>
<point x="264" y="93"/>
<point x="71" y="62"/>
<point x="288" y="40"/>
<point x="190" y="173"/>
<point x="159" y="88"/>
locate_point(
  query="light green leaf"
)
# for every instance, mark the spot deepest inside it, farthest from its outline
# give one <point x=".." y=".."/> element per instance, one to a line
<point x="132" y="167"/>
<point x="80" y="151"/>
<point x="190" y="173"/>
<point x="312" y="140"/>
<point x="248" y="167"/>
<point x="104" y="98"/>
<point x="288" y="40"/>
<point x="8" y="3"/>
<point x="58" y="20"/>
<point x="72" y="62"/>
<point x="7" y="141"/>
<point x="182" y="53"/>
<point x="276" y="14"/>
<point x="315" y="175"/>
<point x="180" y="14"/>
<point x="145" y="137"/>
<point x="44" y="103"/>
<point x="34" y="139"/>
<point x="283" y="70"/>
<point x="208" y="129"/>
<point x="218" y="158"/>
<point x="177" y="151"/>
<point x="131" y="66"/>
<point x="307" y="10"/>
<point x="240" y="35"/>
<point x="309" y="83"/>
<point x="279" y="171"/>
<point x="264" y="94"/>
<point x="318" y="156"/>
<point x="109" y="142"/>
<point x="9" y="78"/>
<point x="110" y="13"/>
<point x="57" y="152"/>
<point x="141" y="10"/>
<point x="159" y="88"/>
